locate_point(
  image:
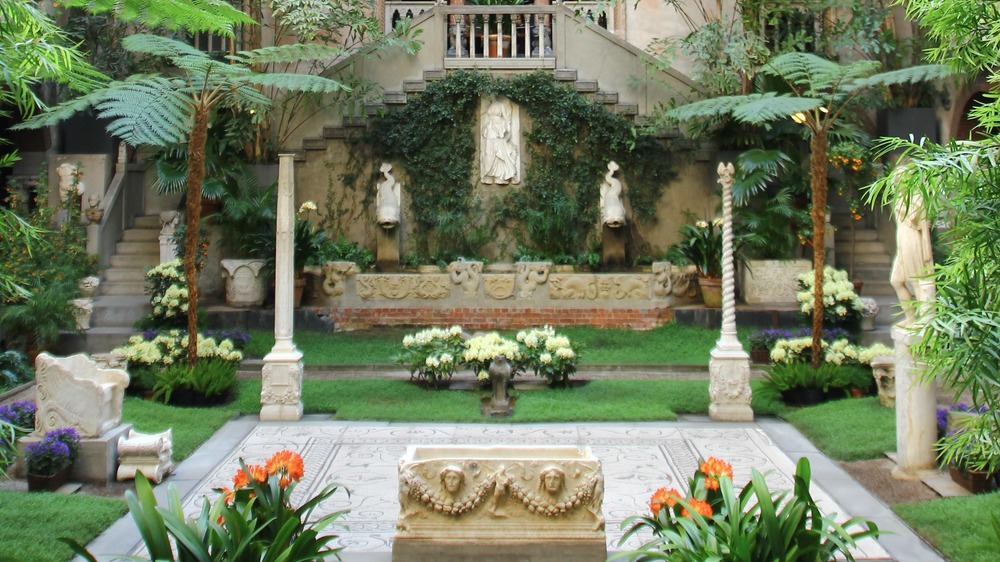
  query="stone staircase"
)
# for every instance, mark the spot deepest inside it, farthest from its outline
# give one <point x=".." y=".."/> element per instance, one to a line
<point x="872" y="265"/>
<point x="122" y="299"/>
<point x="391" y="99"/>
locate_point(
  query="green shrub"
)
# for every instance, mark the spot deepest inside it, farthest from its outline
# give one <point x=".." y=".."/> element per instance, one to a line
<point x="210" y="379"/>
<point x="14" y="370"/>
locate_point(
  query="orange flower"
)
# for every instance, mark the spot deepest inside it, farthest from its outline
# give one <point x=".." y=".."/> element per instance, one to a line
<point x="258" y="472"/>
<point x="663" y="497"/>
<point x="228" y="494"/>
<point x="700" y="507"/>
<point x="714" y="469"/>
<point x="288" y="464"/>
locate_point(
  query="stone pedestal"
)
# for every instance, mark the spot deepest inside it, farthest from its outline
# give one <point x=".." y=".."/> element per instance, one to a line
<point x="729" y="385"/>
<point x="98" y="460"/>
<point x="613" y="246"/>
<point x="281" y="386"/>
<point x="916" y="421"/>
<point x="169" y="220"/>
<point x="500" y="503"/>
<point x="387" y="249"/>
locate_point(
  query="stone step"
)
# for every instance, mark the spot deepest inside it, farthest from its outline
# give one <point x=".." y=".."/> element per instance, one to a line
<point x="121" y="311"/>
<point x="862" y="247"/>
<point x="375" y="108"/>
<point x="355" y="121"/>
<point x="870" y="259"/>
<point x="147" y="221"/>
<point x="314" y="143"/>
<point x="394" y="98"/>
<point x="586" y="86"/>
<point x="843" y="235"/>
<point x="142" y="248"/>
<point x="118" y="288"/>
<point x="868" y="271"/>
<point x="141" y="235"/>
<point x="878" y="289"/>
<point x="117" y="274"/>
<point x="565" y="74"/>
<point x="435" y="74"/>
<point x="410" y="86"/>
<point x="627" y="109"/>
<point x="135" y="260"/>
<point x="334" y="132"/>
<point x="103" y="340"/>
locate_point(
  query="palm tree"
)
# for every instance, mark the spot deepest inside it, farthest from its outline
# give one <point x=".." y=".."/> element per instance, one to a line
<point x="159" y="110"/>
<point x="819" y="92"/>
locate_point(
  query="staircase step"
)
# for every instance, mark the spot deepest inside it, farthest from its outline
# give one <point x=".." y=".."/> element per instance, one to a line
<point x="141" y="235"/>
<point x="843" y="235"/>
<point x="586" y="86"/>
<point x="435" y="74"/>
<point x="868" y="271"/>
<point x="135" y="260"/>
<point x="862" y="247"/>
<point x="147" y="221"/>
<point x="375" y="108"/>
<point x="143" y="248"/>
<point x="394" y="98"/>
<point x="119" y="288"/>
<point x="103" y="340"/>
<point x="116" y="274"/>
<point x="883" y="289"/>
<point x="314" y="143"/>
<point x="111" y="311"/>
<point x="607" y="97"/>
<point x="334" y="132"/>
<point x="414" y="86"/>
<point x="565" y="74"/>
<point x="356" y="121"/>
<point x="869" y="259"/>
<point x="627" y="109"/>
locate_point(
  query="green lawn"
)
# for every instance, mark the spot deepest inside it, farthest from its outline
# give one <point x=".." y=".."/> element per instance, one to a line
<point x="848" y="429"/>
<point x="958" y="527"/>
<point x="191" y="426"/>
<point x="30" y="523"/>
<point x="670" y="344"/>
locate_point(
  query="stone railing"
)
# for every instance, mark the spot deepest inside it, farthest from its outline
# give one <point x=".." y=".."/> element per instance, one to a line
<point x="501" y="36"/>
<point x="398" y="11"/>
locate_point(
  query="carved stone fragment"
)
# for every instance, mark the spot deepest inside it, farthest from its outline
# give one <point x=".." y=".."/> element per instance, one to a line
<point x="467" y="274"/>
<point x="74" y="392"/>
<point x="531" y="274"/>
<point x="373" y="286"/>
<point x="148" y="453"/>
<point x="498" y="286"/>
<point x="572" y="286"/>
<point x="333" y="276"/>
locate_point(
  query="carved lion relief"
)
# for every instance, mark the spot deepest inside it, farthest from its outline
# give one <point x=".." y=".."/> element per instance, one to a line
<point x="334" y="273"/>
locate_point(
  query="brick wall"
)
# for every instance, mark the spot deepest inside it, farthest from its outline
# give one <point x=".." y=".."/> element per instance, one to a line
<point x="501" y="318"/>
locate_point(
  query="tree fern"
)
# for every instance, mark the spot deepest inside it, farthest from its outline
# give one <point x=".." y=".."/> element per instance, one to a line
<point x="215" y="16"/>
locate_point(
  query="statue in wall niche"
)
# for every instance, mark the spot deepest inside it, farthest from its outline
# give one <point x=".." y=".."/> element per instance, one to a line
<point x="387" y="199"/>
<point x="914" y="259"/>
<point x="499" y="155"/>
<point x="612" y="209"/>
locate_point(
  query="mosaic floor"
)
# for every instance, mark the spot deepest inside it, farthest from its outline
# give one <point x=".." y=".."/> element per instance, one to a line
<point x="636" y="458"/>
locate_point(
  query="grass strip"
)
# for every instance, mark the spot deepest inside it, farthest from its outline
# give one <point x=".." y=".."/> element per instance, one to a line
<point x="958" y="527"/>
<point x="191" y="426"/>
<point x="848" y="429"/>
<point x="31" y="523"/>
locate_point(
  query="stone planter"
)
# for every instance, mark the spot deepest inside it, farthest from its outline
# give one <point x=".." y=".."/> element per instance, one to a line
<point x="244" y="282"/>
<point x="771" y="281"/>
<point x="82" y="311"/>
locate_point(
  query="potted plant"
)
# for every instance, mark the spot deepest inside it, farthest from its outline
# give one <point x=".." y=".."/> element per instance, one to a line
<point x="245" y="216"/>
<point x="49" y="461"/>
<point x="35" y="321"/>
<point x="702" y="247"/>
<point x="972" y="452"/>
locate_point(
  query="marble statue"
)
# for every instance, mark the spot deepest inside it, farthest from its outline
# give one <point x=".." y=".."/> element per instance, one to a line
<point x="387" y="199"/>
<point x="500" y="161"/>
<point x="68" y="173"/>
<point x="551" y="480"/>
<point x="914" y="259"/>
<point x="612" y="210"/>
<point x="74" y="392"/>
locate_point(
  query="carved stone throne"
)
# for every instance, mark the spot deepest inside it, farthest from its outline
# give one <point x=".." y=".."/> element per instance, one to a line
<point x="74" y="392"/>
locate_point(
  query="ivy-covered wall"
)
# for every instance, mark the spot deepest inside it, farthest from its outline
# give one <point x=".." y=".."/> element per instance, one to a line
<point x="567" y="142"/>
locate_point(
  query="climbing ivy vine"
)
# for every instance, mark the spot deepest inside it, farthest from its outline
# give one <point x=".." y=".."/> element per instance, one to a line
<point x="556" y="208"/>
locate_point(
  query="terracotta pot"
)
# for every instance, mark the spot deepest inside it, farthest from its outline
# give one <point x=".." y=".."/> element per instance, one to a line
<point x="50" y="483"/>
<point x="499" y="46"/>
<point x="761" y="356"/>
<point x="858" y="283"/>
<point x="711" y="291"/>
<point x="299" y="288"/>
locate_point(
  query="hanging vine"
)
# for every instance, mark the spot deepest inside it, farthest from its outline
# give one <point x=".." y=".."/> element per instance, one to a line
<point x="569" y="144"/>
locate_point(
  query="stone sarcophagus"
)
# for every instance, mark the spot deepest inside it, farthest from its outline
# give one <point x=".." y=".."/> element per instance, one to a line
<point x="464" y="502"/>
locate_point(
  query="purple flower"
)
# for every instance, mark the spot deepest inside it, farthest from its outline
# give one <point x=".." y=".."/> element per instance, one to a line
<point x="150" y="334"/>
<point x="21" y="414"/>
<point x="47" y="457"/>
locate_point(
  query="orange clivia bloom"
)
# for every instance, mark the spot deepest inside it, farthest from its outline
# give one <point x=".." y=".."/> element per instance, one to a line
<point x="258" y="472"/>
<point x="288" y="464"/>
<point x="714" y="469"/>
<point x="228" y="494"/>
<point x="663" y="497"/>
<point x="701" y="507"/>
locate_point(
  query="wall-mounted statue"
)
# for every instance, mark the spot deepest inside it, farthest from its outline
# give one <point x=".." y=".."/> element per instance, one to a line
<point x="500" y="161"/>
<point x="387" y="199"/>
<point x="612" y="209"/>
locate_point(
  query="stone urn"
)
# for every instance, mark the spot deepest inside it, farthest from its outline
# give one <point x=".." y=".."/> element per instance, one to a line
<point x="83" y="309"/>
<point x="88" y="286"/>
<point x="244" y="282"/>
<point x="869" y="311"/>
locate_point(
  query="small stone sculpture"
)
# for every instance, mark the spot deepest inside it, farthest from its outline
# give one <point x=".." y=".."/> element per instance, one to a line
<point x="612" y="210"/>
<point x="147" y="453"/>
<point x="499" y="377"/>
<point x="387" y="199"/>
<point x="499" y="160"/>
<point x="884" y="371"/>
<point x="466" y="274"/>
<point x="68" y="173"/>
<point x="914" y="259"/>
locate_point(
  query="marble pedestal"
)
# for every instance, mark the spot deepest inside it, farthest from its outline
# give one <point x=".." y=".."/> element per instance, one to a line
<point x="98" y="460"/>
<point x="916" y="411"/>
<point x="387" y="250"/>
<point x="281" y="386"/>
<point x="729" y="385"/>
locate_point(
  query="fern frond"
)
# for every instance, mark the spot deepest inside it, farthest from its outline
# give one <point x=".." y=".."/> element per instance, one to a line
<point x="296" y="82"/>
<point x="288" y="53"/>
<point x="215" y="16"/>
<point x="710" y="108"/>
<point x="771" y="107"/>
<point x="166" y="47"/>
<point x="922" y="73"/>
<point x="151" y="112"/>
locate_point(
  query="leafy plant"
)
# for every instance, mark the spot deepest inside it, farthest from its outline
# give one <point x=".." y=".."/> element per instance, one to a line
<point x="14" y="369"/>
<point x="482" y="349"/>
<point x="715" y="522"/>
<point x="548" y="354"/>
<point x="210" y="380"/>
<point x="974" y="444"/>
<point x="841" y="305"/>
<point x="16" y="420"/>
<point x="39" y="319"/>
<point x="253" y="521"/>
<point x="344" y="250"/>
<point x="432" y="354"/>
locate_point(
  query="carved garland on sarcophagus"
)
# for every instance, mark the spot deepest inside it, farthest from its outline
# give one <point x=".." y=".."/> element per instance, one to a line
<point x="404" y="286"/>
<point x="481" y="490"/>
<point x="499" y="286"/>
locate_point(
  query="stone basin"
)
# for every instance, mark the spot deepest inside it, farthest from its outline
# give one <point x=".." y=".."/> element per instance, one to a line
<point x="465" y="502"/>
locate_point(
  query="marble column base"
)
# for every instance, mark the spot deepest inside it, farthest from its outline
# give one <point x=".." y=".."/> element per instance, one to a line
<point x="281" y="386"/>
<point x="729" y="386"/>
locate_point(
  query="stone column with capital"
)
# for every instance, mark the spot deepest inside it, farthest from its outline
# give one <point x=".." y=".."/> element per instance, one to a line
<point x="281" y="384"/>
<point x="729" y="367"/>
<point x="916" y="409"/>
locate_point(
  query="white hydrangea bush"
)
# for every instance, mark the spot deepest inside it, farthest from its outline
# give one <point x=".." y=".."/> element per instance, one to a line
<point x="841" y="305"/>
<point x="480" y="351"/>
<point x="168" y="294"/>
<point x="432" y="354"/>
<point x="838" y="352"/>
<point x="170" y="347"/>
<point x="548" y="354"/>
